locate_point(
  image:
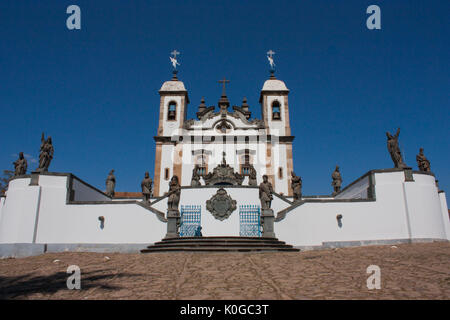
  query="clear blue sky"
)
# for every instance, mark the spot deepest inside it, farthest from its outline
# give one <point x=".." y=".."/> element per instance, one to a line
<point x="95" y="91"/>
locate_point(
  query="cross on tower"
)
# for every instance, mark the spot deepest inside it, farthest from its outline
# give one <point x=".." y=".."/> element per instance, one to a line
<point x="224" y="81"/>
<point x="174" y="53"/>
<point x="270" y="53"/>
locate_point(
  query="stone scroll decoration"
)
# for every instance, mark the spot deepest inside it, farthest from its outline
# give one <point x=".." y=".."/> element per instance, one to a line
<point x="221" y="205"/>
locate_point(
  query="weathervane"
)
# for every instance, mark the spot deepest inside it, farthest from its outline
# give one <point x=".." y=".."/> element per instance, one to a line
<point x="174" y="60"/>
<point x="270" y="54"/>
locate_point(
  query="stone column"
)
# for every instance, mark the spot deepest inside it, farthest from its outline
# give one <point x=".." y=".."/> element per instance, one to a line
<point x="173" y="222"/>
<point x="268" y="218"/>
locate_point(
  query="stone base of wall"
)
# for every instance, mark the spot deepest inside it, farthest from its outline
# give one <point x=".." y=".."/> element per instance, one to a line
<point x="20" y="250"/>
<point x="362" y="243"/>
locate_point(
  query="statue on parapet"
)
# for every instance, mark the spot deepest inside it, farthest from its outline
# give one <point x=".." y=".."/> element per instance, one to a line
<point x="394" y="150"/>
<point x="110" y="184"/>
<point x="146" y="186"/>
<point x="296" y="185"/>
<point x="195" y="180"/>
<point x="252" y="177"/>
<point x="45" y="154"/>
<point x="337" y="180"/>
<point x="20" y="165"/>
<point x="265" y="193"/>
<point x="174" y="194"/>
<point x="422" y="162"/>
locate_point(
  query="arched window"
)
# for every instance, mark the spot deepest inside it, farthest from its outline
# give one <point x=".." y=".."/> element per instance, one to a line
<point x="172" y="111"/>
<point x="202" y="165"/>
<point x="276" y="111"/>
<point x="245" y="164"/>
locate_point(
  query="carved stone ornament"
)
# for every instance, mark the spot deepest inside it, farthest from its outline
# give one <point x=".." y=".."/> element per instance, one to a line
<point x="221" y="205"/>
<point x="223" y="174"/>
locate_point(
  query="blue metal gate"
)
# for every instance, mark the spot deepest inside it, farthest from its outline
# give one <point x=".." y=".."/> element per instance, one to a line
<point x="250" y="221"/>
<point x="190" y="220"/>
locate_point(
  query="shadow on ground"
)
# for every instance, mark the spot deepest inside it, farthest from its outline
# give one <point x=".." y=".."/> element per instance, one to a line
<point x="18" y="287"/>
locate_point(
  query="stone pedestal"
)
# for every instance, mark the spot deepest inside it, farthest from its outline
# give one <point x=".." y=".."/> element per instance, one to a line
<point x="173" y="223"/>
<point x="268" y="218"/>
<point x="34" y="178"/>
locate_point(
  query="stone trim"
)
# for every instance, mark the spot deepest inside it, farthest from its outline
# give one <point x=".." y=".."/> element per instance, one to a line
<point x="222" y="139"/>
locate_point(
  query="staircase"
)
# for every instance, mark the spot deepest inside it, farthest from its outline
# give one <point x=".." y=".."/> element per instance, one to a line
<point x="219" y="244"/>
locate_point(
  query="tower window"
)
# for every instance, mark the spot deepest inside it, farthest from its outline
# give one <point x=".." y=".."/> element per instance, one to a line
<point x="276" y="113"/>
<point x="172" y="111"/>
<point x="166" y="174"/>
<point x="280" y="172"/>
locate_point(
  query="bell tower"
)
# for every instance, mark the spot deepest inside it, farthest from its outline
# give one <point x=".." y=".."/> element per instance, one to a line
<point x="172" y="114"/>
<point x="275" y="113"/>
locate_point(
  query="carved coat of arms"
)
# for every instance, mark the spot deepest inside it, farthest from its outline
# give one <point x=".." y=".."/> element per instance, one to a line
<point x="221" y="205"/>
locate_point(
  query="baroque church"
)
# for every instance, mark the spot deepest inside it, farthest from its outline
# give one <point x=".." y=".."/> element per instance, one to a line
<point x="211" y="188"/>
<point x="223" y="136"/>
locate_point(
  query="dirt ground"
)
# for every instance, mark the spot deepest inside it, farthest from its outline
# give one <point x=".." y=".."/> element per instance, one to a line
<point x="409" y="271"/>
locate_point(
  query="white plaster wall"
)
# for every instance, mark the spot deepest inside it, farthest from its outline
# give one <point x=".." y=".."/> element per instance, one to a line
<point x="445" y="215"/>
<point x="356" y="191"/>
<point x="19" y="213"/>
<point x="86" y="193"/>
<point x="311" y="224"/>
<point x="2" y="202"/>
<point x="76" y="223"/>
<point x="403" y="210"/>
<point x="211" y="226"/>
<point x="167" y="153"/>
<point x="279" y="159"/>
<point x="424" y="208"/>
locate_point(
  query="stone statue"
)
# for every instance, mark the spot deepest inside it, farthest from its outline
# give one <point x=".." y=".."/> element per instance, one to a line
<point x="422" y="162"/>
<point x="195" y="180"/>
<point x="337" y="180"/>
<point x="174" y="194"/>
<point x="110" y="184"/>
<point x="46" y="154"/>
<point x="146" y="186"/>
<point x="296" y="185"/>
<point x="394" y="149"/>
<point x="265" y="193"/>
<point x="252" y="177"/>
<point x="20" y="165"/>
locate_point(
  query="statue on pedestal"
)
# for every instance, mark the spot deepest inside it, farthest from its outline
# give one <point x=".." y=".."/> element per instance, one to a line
<point x="252" y="177"/>
<point x="195" y="180"/>
<point x="20" y="165"/>
<point x="422" y="162"/>
<point x="394" y="149"/>
<point x="110" y="184"/>
<point x="45" y="154"/>
<point x="296" y="185"/>
<point x="265" y="193"/>
<point x="174" y="194"/>
<point x="337" y="180"/>
<point x="146" y="186"/>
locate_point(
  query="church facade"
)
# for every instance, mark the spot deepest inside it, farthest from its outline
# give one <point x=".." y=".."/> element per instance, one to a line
<point x="223" y="134"/>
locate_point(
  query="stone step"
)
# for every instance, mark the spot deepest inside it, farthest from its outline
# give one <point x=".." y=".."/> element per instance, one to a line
<point x="230" y="241"/>
<point x="219" y="244"/>
<point x="218" y="249"/>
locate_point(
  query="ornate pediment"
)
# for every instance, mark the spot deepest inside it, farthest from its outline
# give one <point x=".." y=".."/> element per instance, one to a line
<point x="223" y="174"/>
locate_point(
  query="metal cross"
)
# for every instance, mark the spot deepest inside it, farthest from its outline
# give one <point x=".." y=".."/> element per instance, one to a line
<point x="224" y="81"/>
<point x="270" y="53"/>
<point x="174" y="53"/>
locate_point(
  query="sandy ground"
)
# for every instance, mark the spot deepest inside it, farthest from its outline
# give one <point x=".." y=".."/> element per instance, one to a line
<point x="410" y="271"/>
